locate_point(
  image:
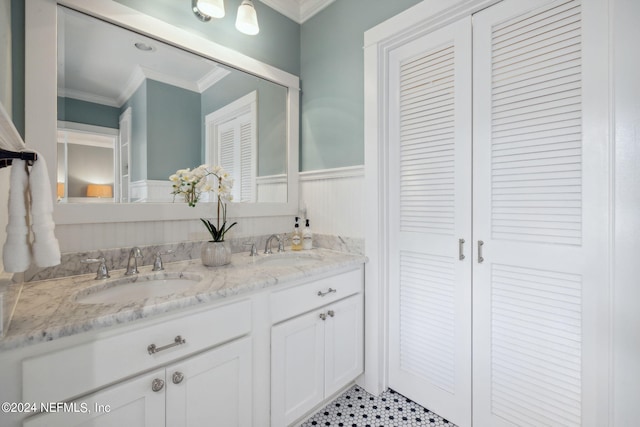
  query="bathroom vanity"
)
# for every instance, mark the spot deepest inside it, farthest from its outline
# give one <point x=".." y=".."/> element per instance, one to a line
<point x="262" y="341"/>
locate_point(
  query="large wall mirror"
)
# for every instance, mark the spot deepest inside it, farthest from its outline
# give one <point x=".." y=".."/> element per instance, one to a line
<point x="117" y="101"/>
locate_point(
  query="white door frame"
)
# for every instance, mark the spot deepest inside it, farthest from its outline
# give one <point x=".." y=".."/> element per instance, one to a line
<point x="379" y="41"/>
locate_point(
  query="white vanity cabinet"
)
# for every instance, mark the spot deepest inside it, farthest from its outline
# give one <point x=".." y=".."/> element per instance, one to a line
<point x="211" y="387"/>
<point x="130" y="403"/>
<point x="265" y="357"/>
<point x="207" y="366"/>
<point x="317" y="352"/>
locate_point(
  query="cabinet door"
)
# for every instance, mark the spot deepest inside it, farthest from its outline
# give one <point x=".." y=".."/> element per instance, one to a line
<point x="212" y="389"/>
<point x="344" y="343"/>
<point x="430" y="211"/>
<point x="130" y="403"/>
<point x="540" y="207"/>
<point x="297" y="367"/>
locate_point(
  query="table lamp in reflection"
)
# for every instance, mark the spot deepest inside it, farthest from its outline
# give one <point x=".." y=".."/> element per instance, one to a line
<point x="99" y="190"/>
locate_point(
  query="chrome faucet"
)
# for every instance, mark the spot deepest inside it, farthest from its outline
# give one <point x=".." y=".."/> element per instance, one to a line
<point x="158" y="265"/>
<point x="103" y="271"/>
<point x="267" y="246"/>
<point x="133" y="256"/>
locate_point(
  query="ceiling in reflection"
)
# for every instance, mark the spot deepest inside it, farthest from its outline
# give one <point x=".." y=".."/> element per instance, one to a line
<point x="125" y="59"/>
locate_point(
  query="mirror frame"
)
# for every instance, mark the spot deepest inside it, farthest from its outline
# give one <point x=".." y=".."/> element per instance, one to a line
<point x="41" y="108"/>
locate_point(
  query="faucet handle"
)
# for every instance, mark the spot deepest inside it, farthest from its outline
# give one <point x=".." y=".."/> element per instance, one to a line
<point x="103" y="271"/>
<point x="253" y="251"/>
<point x="158" y="265"/>
<point x="281" y="242"/>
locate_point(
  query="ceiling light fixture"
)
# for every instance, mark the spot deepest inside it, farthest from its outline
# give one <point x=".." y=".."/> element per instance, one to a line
<point x="207" y="9"/>
<point x="247" y="19"/>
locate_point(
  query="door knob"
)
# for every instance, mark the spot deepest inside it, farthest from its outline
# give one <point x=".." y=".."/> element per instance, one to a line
<point x="177" y="377"/>
<point x="157" y="384"/>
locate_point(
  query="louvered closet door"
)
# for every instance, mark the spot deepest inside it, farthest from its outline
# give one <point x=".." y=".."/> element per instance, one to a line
<point x="237" y="155"/>
<point x="430" y="209"/>
<point x="538" y="217"/>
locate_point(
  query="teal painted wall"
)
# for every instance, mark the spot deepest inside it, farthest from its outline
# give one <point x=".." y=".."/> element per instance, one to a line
<point x="173" y="129"/>
<point x="326" y="51"/>
<point x="332" y="73"/>
<point x="90" y="113"/>
<point x="165" y="130"/>
<point x="277" y="44"/>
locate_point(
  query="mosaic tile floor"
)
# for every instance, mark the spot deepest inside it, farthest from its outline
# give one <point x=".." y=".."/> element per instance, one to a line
<point x="357" y="408"/>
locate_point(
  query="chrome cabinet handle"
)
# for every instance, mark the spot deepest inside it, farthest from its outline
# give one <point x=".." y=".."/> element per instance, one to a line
<point x="331" y="290"/>
<point x="177" y="377"/>
<point x="152" y="348"/>
<point x="323" y="316"/>
<point x="157" y="385"/>
<point x="460" y="249"/>
<point x="331" y="313"/>
<point x="480" y="257"/>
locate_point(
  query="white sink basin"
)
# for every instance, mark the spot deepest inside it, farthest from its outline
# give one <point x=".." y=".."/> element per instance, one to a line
<point x="288" y="259"/>
<point x="135" y="288"/>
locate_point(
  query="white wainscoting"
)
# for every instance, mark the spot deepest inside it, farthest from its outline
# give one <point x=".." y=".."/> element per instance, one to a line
<point x="334" y="200"/>
<point x="86" y="237"/>
<point x="151" y="191"/>
<point x="271" y="188"/>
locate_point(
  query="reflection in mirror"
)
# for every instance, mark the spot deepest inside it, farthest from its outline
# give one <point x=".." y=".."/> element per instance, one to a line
<point x="133" y="110"/>
<point x="86" y="163"/>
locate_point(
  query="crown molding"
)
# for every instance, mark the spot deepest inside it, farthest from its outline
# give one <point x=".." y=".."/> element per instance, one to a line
<point x="298" y="10"/>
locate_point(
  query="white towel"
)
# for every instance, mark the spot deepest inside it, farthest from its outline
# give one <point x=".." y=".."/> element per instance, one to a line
<point x="30" y="190"/>
<point x="46" y="250"/>
<point x="16" y="253"/>
<point x="27" y="191"/>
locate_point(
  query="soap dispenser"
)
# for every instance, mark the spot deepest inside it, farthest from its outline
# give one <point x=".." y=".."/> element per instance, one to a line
<point x="307" y="236"/>
<point x="296" y="238"/>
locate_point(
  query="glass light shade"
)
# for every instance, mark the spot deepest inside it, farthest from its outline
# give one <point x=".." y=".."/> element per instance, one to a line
<point x="99" y="190"/>
<point x="213" y="8"/>
<point x="247" y="20"/>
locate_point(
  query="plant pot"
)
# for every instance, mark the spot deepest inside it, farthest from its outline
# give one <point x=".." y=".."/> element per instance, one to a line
<point x="215" y="254"/>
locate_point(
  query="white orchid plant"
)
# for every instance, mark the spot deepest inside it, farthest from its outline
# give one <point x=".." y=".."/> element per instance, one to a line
<point x="204" y="179"/>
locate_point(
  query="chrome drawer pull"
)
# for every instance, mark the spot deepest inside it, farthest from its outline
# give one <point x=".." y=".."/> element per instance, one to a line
<point x="321" y="294"/>
<point x="461" y="249"/>
<point x="152" y="349"/>
<point x="480" y="257"/>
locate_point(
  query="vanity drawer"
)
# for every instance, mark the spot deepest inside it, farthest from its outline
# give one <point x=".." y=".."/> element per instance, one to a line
<point x="296" y="300"/>
<point x="80" y="369"/>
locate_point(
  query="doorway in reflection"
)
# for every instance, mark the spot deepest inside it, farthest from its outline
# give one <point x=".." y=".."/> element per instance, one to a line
<point x="86" y="163"/>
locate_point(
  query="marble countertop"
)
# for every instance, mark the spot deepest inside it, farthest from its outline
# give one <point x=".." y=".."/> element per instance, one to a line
<point x="48" y="310"/>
